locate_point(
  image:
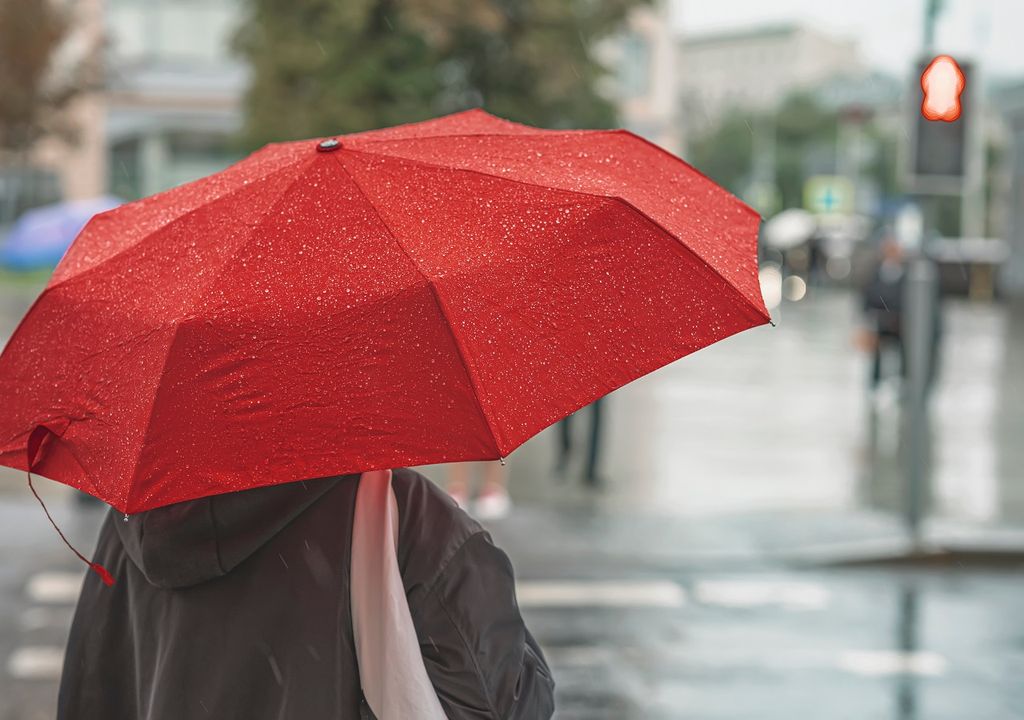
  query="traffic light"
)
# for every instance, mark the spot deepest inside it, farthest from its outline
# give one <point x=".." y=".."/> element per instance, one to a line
<point x="940" y="150"/>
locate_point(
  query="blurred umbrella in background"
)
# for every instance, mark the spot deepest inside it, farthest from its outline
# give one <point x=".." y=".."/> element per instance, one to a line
<point x="41" y="236"/>
<point x="789" y="229"/>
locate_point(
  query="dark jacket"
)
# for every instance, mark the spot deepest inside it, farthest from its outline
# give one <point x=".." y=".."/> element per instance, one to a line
<point x="237" y="606"/>
<point x="883" y="300"/>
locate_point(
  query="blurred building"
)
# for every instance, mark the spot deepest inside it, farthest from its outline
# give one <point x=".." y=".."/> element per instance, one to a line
<point x="170" y="103"/>
<point x="172" y="96"/>
<point x="65" y="167"/>
<point x="756" y="68"/>
<point x="173" y="92"/>
<point x="644" y="85"/>
<point x="1012" y="105"/>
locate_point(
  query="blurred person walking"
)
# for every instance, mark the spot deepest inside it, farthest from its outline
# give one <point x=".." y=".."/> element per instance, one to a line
<point x="882" y="305"/>
<point x="565" y="445"/>
<point x="883" y="300"/>
<point x="492" y="502"/>
<point x="242" y="605"/>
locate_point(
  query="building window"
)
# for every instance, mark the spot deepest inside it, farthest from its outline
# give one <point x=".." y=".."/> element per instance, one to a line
<point x="635" y="66"/>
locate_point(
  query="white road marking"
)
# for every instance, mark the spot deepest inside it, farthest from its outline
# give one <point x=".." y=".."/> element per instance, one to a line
<point x="36" y="618"/>
<point x="878" y="663"/>
<point x="36" y="662"/>
<point x="580" y="656"/>
<point x="762" y="593"/>
<point x="55" y="588"/>
<point x="585" y="593"/>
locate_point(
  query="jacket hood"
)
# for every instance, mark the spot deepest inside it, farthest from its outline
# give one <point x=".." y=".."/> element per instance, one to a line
<point x="191" y="542"/>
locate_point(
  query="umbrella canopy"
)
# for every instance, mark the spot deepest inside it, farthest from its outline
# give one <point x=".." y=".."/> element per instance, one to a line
<point x="41" y="236"/>
<point x="433" y="292"/>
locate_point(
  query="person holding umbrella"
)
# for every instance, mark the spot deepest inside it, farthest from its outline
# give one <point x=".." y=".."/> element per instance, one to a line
<point x="239" y="605"/>
<point x="341" y="309"/>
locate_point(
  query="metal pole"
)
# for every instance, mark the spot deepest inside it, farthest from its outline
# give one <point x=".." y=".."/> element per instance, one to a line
<point x="932" y="8"/>
<point x="918" y="336"/>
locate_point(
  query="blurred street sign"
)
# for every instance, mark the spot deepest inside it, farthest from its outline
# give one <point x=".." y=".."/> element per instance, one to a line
<point x="939" y="153"/>
<point x="909" y="227"/>
<point x="828" y="195"/>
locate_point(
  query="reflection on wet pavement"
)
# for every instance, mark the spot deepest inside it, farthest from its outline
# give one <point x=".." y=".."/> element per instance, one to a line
<point x="779" y="419"/>
<point x="672" y="592"/>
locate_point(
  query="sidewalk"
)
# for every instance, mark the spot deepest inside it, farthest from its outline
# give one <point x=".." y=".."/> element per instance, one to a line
<point x="697" y="582"/>
<point x="758" y="450"/>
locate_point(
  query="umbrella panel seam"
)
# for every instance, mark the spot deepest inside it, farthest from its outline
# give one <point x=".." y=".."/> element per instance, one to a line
<point x="612" y="198"/>
<point x="169" y="223"/>
<point x="537" y="132"/>
<point x="460" y="349"/>
<point x="188" y="320"/>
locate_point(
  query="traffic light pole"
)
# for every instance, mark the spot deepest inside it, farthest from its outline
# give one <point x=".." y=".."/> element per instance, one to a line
<point x="920" y="296"/>
<point x="932" y="8"/>
<point x="918" y="337"/>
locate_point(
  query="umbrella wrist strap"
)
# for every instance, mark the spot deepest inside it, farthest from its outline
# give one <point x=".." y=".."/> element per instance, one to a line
<point x="96" y="567"/>
<point x="35" y="440"/>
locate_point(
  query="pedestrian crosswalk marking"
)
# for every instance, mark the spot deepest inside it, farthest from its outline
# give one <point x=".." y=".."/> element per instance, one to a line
<point x="36" y="662"/>
<point x="54" y="588"/>
<point x="790" y="595"/>
<point x="584" y="593"/>
<point x="879" y="663"/>
<point x="36" y="618"/>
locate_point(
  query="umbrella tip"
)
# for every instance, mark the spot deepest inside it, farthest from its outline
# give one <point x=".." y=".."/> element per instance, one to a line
<point x="328" y="145"/>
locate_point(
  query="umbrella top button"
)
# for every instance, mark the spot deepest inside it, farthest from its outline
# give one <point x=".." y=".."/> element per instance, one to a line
<point x="328" y="145"/>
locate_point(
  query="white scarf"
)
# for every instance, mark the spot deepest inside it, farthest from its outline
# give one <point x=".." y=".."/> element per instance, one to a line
<point x="391" y="670"/>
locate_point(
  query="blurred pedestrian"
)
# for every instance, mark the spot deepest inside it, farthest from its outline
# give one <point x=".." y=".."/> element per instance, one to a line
<point x="492" y="502"/>
<point x="565" y="446"/>
<point x="239" y="606"/>
<point x="882" y="304"/>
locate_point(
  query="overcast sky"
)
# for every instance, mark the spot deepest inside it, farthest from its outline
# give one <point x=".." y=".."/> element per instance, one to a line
<point x="887" y="31"/>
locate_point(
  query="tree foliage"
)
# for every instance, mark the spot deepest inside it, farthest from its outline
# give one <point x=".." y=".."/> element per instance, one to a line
<point x="801" y="129"/>
<point x="32" y="94"/>
<point x="805" y="145"/>
<point x="322" y="67"/>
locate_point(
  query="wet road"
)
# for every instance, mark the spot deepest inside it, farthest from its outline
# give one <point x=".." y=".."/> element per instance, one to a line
<point x="637" y="642"/>
<point x="691" y="584"/>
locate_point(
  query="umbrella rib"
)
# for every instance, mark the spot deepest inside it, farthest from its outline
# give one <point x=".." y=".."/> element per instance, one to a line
<point x="493" y="120"/>
<point x="169" y="223"/>
<point x="463" y="355"/>
<point x="178" y="326"/>
<point x="536" y="132"/>
<point x="614" y="198"/>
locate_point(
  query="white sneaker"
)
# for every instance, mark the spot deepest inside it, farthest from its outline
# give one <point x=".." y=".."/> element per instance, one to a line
<point x="492" y="504"/>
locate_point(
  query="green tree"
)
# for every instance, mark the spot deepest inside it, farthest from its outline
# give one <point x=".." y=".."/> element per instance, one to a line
<point x="30" y="34"/>
<point x="805" y="144"/>
<point x="321" y="67"/>
<point x="725" y="152"/>
<point x="34" y="92"/>
<point x="528" y="60"/>
<point x="805" y="137"/>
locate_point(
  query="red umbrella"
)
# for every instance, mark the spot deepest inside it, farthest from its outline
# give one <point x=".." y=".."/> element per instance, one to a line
<point x="428" y="293"/>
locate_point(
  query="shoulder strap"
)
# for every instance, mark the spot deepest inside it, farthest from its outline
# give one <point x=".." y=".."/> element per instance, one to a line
<point x="391" y="670"/>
